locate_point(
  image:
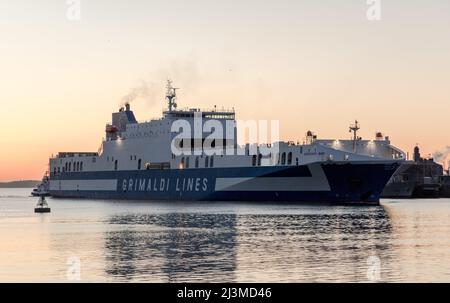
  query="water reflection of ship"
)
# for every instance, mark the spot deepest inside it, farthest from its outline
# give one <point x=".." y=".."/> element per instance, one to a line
<point x="316" y="246"/>
<point x="173" y="247"/>
<point x="419" y="178"/>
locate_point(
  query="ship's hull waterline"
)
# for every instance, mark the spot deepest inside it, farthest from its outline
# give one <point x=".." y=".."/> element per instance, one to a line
<point x="325" y="182"/>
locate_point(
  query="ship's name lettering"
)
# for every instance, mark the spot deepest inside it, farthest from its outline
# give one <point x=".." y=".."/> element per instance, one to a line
<point x="165" y="184"/>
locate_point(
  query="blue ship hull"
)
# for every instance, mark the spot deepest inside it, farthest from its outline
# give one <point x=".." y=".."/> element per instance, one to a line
<point x="328" y="182"/>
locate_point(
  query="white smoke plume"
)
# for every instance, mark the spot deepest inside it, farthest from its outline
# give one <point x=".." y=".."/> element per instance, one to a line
<point x="443" y="155"/>
<point x="184" y="73"/>
<point x="144" y="90"/>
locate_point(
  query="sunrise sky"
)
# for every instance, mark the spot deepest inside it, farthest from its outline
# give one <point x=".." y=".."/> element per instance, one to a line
<point x="310" y="64"/>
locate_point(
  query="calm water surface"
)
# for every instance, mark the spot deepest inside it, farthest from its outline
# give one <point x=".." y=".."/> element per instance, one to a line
<point x="402" y="240"/>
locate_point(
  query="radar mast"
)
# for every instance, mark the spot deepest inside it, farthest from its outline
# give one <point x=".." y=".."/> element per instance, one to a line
<point x="171" y="95"/>
<point x="354" y="128"/>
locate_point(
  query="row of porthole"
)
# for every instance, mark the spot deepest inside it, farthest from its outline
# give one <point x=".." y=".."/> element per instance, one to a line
<point x="140" y="135"/>
<point x="256" y="160"/>
<point x="209" y="162"/>
<point x="116" y="163"/>
<point x="77" y="167"/>
<point x="139" y="166"/>
<point x="146" y="124"/>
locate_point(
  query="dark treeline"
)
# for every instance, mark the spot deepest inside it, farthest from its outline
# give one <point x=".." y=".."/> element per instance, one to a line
<point x="19" y="184"/>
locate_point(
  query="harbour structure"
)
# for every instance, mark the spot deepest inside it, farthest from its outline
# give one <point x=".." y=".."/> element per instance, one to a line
<point x="444" y="182"/>
<point x="419" y="178"/>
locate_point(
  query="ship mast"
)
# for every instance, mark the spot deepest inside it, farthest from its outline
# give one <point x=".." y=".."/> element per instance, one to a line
<point x="354" y="128"/>
<point x="171" y="95"/>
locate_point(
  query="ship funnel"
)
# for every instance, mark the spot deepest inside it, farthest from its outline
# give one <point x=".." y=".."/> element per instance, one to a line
<point x="122" y="118"/>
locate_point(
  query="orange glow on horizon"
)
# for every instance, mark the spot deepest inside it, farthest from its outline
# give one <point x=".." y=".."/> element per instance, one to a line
<point x="299" y="63"/>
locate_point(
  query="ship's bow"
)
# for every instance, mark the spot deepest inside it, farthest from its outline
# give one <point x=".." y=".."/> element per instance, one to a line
<point x="358" y="182"/>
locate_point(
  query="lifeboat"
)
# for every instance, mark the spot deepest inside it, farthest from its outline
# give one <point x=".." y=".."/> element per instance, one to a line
<point x="111" y="129"/>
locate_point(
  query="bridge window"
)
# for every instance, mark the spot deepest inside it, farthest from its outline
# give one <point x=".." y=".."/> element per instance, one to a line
<point x="296" y="161"/>
<point x="283" y="159"/>
<point x="116" y="164"/>
<point x="81" y="166"/>
<point x="259" y="159"/>
<point x="254" y="160"/>
<point x="139" y="164"/>
<point x="206" y="161"/>
<point x="182" y="163"/>
<point x="290" y="158"/>
<point x="211" y="162"/>
<point x="187" y="162"/>
<point x="196" y="162"/>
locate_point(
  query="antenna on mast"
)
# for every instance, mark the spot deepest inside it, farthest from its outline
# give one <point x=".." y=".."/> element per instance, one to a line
<point x="354" y="128"/>
<point x="171" y="95"/>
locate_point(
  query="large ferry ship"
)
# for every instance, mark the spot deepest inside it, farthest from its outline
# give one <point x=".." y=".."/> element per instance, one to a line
<point x="154" y="160"/>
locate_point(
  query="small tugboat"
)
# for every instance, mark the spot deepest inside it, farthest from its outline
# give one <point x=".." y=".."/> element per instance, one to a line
<point x="43" y="188"/>
<point x="42" y="206"/>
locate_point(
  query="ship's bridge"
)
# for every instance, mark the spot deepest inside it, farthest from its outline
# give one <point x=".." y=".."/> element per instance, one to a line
<point x="225" y="114"/>
<point x="172" y="110"/>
